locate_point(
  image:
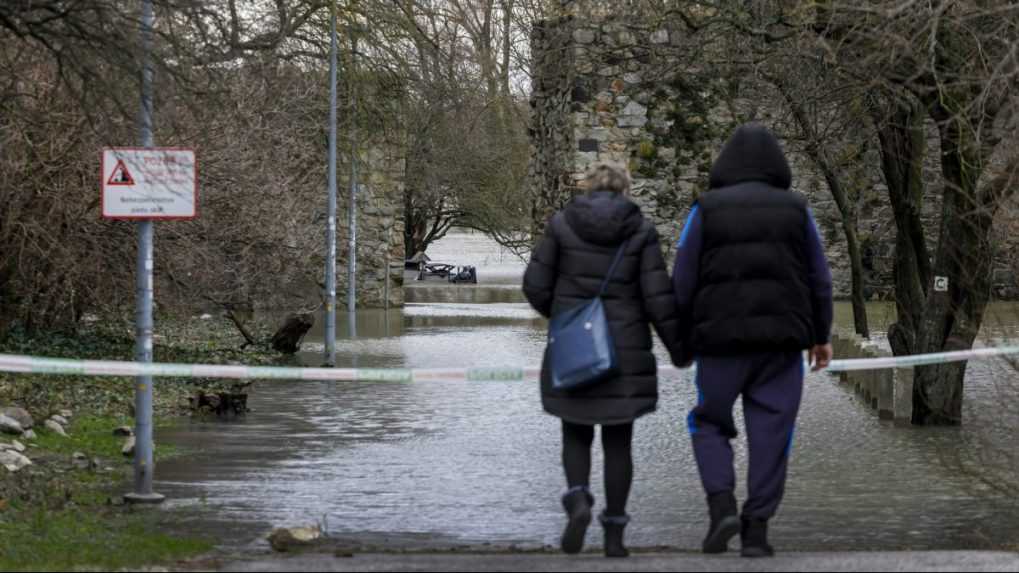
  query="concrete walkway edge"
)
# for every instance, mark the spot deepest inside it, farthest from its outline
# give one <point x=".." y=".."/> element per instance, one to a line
<point x="905" y="561"/>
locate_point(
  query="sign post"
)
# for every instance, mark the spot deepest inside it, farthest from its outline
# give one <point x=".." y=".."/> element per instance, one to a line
<point x="144" y="185"/>
<point x="143" y="456"/>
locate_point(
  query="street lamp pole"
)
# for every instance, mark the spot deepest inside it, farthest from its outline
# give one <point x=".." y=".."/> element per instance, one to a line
<point x="143" y="454"/>
<point x="330" y="330"/>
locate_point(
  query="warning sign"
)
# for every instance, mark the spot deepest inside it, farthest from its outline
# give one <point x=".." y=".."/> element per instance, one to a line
<point x="158" y="183"/>
<point x="121" y="176"/>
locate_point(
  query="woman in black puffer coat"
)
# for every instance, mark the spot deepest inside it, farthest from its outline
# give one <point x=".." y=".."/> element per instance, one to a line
<point x="566" y="270"/>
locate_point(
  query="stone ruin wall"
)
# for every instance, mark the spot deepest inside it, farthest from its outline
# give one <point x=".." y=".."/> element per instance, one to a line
<point x="610" y="88"/>
<point x="380" y="225"/>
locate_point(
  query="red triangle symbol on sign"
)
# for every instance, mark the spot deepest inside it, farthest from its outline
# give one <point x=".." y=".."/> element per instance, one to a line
<point x="120" y="175"/>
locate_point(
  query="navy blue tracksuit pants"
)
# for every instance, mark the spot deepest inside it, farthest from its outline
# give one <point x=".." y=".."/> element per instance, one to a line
<point x="771" y="385"/>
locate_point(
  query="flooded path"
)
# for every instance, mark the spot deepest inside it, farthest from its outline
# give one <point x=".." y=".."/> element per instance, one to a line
<point x="443" y="464"/>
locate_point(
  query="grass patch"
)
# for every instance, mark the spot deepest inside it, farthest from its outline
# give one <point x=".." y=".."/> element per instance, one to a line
<point x="55" y="516"/>
<point x="93" y="436"/>
<point x="110" y="539"/>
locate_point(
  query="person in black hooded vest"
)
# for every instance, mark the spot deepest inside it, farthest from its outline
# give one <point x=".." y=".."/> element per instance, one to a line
<point x="754" y="291"/>
<point x="567" y="269"/>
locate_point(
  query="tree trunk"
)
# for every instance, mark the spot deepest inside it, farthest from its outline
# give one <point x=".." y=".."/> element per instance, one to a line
<point x="859" y="301"/>
<point x="288" y="338"/>
<point x="849" y="227"/>
<point x="903" y="146"/>
<point x="409" y="242"/>
<point x="413" y="218"/>
<point x="551" y="130"/>
<point x="240" y="322"/>
<point x="9" y="314"/>
<point x="952" y="319"/>
<point x="821" y="157"/>
<point x="507" y="48"/>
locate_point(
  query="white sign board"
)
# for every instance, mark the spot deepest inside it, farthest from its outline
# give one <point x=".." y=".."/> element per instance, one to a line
<point x="940" y="284"/>
<point x="157" y="183"/>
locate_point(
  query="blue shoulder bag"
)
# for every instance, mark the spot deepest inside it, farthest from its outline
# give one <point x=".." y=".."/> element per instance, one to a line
<point x="581" y="350"/>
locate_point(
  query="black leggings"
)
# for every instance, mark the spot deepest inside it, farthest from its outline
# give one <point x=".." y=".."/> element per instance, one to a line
<point x="616" y="442"/>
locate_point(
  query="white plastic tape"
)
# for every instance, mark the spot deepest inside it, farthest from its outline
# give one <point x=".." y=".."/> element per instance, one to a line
<point x="61" y="366"/>
<point x="887" y="362"/>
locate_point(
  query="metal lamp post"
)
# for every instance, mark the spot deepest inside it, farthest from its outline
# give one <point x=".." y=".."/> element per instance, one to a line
<point x="143" y="457"/>
<point x="330" y="329"/>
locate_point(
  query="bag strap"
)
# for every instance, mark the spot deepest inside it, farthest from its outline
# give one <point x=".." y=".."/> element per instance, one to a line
<point x="612" y="270"/>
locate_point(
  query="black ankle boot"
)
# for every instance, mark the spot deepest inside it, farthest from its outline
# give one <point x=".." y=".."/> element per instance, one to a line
<point x="755" y="538"/>
<point x="725" y="523"/>
<point x="577" y="502"/>
<point x="614" y="526"/>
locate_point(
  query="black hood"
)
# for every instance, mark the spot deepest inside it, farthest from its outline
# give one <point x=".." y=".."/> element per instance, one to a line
<point x="751" y="154"/>
<point x="604" y="218"/>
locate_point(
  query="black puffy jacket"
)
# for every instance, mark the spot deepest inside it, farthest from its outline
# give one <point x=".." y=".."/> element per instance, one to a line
<point x="752" y="293"/>
<point x="566" y="270"/>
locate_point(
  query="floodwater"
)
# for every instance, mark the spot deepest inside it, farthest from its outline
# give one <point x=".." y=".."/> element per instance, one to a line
<point x="443" y="464"/>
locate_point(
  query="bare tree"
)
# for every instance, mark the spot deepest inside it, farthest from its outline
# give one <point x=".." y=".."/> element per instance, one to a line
<point x="925" y="57"/>
<point x="951" y="66"/>
<point x="244" y="82"/>
<point x="466" y="124"/>
<point x="72" y="90"/>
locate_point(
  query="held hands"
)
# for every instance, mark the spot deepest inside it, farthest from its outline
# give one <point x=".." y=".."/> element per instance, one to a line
<point x="820" y="357"/>
<point x="683" y="358"/>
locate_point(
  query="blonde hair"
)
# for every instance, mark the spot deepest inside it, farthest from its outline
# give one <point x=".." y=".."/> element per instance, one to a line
<point x="606" y="176"/>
